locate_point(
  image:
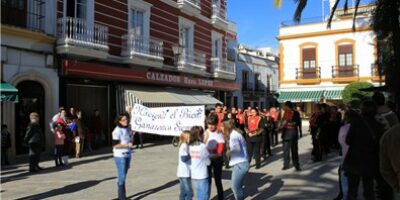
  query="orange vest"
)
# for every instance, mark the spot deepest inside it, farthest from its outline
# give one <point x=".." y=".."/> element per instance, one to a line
<point x="221" y="117"/>
<point x="252" y="123"/>
<point x="240" y="116"/>
<point x="288" y="117"/>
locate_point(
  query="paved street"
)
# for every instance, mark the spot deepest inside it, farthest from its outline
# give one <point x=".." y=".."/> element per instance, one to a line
<point x="153" y="176"/>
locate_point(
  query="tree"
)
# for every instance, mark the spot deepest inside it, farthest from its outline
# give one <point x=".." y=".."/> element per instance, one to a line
<point x="352" y="94"/>
<point x="386" y="25"/>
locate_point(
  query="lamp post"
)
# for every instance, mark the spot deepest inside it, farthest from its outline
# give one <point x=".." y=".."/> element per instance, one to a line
<point x="177" y="49"/>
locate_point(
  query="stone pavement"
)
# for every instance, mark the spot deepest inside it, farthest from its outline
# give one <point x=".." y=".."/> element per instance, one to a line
<point x="153" y="176"/>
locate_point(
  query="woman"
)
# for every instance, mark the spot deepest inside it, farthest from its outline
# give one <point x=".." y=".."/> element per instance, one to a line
<point x="122" y="142"/>
<point x="254" y="128"/>
<point x="215" y="144"/>
<point x="80" y="135"/>
<point x="33" y="138"/>
<point x="199" y="160"/>
<point x="238" y="158"/>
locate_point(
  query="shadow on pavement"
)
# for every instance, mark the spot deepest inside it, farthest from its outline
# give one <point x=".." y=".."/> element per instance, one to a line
<point x="146" y="193"/>
<point x="67" y="189"/>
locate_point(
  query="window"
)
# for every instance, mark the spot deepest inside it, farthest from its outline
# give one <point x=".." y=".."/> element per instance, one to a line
<point x="77" y="9"/>
<point x="217" y="44"/>
<point x="256" y="81"/>
<point x="245" y="79"/>
<point x="345" y="55"/>
<point x="139" y="18"/>
<point x="309" y="58"/>
<point x="137" y="22"/>
<point x="186" y="31"/>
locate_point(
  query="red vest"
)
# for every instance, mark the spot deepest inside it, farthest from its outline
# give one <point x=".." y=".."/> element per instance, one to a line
<point x="221" y="117"/>
<point x="252" y="123"/>
<point x="288" y="117"/>
<point x="240" y="116"/>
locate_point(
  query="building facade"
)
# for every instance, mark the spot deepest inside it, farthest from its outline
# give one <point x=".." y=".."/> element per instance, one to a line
<point x="257" y="74"/>
<point x="316" y="63"/>
<point x="153" y="52"/>
<point x="27" y="62"/>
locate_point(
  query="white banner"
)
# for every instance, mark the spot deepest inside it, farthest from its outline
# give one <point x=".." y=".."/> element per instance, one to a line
<point x="166" y="120"/>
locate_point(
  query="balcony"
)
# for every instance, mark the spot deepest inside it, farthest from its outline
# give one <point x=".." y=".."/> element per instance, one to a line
<point x="218" y="17"/>
<point x="221" y="68"/>
<point x="21" y="16"/>
<point x="247" y="90"/>
<point x="345" y="74"/>
<point x="192" y="61"/>
<point x="377" y="74"/>
<point x="141" y="50"/>
<point x="190" y="7"/>
<point x="81" y="39"/>
<point x="308" y="76"/>
<point x="259" y="91"/>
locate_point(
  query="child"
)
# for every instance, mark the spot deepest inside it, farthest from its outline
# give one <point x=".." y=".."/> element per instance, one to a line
<point x="199" y="158"/>
<point x="183" y="167"/>
<point x="59" y="137"/>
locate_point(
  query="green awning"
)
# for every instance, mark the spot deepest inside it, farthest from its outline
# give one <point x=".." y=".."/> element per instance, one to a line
<point x="333" y="94"/>
<point x="300" y="96"/>
<point x="8" y="93"/>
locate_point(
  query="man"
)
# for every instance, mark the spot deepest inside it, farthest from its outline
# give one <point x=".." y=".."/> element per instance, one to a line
<point x="33" y="138"/>
<point x="385" y="115"/>
<point x="316" y="150"/>
<point x="220" y="114"/>
<point x="390" y="159"/>
<point x="289" y="126"/>
<point x="5" y="144"/>
<point x="299" y="110"/>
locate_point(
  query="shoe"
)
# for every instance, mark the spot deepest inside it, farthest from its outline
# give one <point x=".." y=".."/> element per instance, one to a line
<point x="39" y="168"/>
<point x="141" y="147"/>
<point x="285" y="168"/>
<point x="339" y="197"/>
<point x="298" y="168"/>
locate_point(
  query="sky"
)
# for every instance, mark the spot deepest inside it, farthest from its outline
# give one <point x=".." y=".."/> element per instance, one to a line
<point x="258" y="20"/>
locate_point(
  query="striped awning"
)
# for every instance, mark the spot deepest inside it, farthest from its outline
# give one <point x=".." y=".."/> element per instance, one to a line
<point x="8" y="92"/>
<point x="300" y="96"/>
<point x="333" y="94"/>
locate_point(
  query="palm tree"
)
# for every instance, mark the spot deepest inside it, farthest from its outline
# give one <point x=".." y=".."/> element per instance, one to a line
<point x="386" y="25"/>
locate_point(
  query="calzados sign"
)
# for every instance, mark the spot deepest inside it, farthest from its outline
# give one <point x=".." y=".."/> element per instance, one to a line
<point x="167" y="120"/>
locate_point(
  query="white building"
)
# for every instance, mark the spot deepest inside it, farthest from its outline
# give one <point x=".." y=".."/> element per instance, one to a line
<point x="27" y="62"/>
<point x="316" y="63"/>
<point x="257" y="73"/>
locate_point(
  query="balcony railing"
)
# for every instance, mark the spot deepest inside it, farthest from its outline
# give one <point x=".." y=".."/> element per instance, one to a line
<point x="191" y="6"/>
<point x="218" y="11"/>
<point x="345" y="73"/>
<point x="193" y="58"/>
<point x="308" y="75"/>
<point x="138" y="45"/>
<point x="22" y="17"/>
<point x="221" y="65"/>
<point x="78" y="32"/>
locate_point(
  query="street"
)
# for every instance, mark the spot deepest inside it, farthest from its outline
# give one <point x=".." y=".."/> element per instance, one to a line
<point x="153" y="176"/>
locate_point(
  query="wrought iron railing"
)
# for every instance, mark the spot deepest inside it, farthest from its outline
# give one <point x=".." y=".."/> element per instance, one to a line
<point x="22" y="16"/>
<point x="135" y="44"/>
<point x="313" y="73"/>
<point x="194" y="58"/>
<point x="218" y="11"/>
<point x="219" y="64"/>
<point x="345" y="71"/>
<point x="78" y="32"/>
<point x="194" y="2"/>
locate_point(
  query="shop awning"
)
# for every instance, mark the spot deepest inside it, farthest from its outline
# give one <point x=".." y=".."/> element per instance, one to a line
<point x="333" y="94"/>
<point x="8" y="92"/>
<point x="162" y="97"/>
<point x="300" y="96"/>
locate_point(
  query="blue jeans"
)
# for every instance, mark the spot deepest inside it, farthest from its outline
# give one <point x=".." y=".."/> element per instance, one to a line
<point x="345" y="184"/>
<point x="201" y="187"/>
<point x="122" y="164"/>
<point x="239" y="172"/>
<point x="186" y="189"/>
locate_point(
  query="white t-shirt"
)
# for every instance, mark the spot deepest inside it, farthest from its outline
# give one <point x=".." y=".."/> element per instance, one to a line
<point x="213" y="139"/>
<point x="238" y="149"/>
<point x="199" y="161"/>
<point x="183" y="167"/>
<point x="125" y="137"/>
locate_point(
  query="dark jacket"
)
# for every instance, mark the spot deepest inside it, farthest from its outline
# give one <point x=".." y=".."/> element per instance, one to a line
<point x="33" y="134"/>
<point x="292" y="133"/>
<point x="363" y="140"/>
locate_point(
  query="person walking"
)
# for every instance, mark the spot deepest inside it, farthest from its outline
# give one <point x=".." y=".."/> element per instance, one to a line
<point x="254" y="129"/>
<point x="199" y="160"/>
<point x="33" y="138"/>
<point x="59" y="138"/>
<point x="362" y="160"/>
<point x="122" y="144"/>
<point x="289" y="126"/>
<point x="215" y="143"/>
<point x="5" y="144"/>
<point x="183" y="172"/>
<point x="80" y="135"/>
<point x="238" y="158"/>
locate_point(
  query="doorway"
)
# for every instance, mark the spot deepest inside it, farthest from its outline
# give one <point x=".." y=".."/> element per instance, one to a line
<point x="31" y="100"/>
